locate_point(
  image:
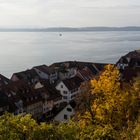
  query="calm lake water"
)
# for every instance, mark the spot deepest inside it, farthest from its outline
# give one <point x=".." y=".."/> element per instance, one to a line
<point x="22" y="50"/>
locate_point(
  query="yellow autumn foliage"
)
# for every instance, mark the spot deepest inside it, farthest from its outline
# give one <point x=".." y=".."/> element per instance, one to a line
<point x="113" y="104"/>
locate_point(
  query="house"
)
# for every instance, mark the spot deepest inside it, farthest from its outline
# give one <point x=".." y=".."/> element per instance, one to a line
<point x="13" y="91"/>
<point x="132" y="59"/>
<point x="46" y="90"/>
<point x="69" y="69"/>
<point x="3" y="81"/>
<point x="33" y="103"/>
<point x="129" y="65"/>
<point x="52" y="97"/>
<point x="29" y="75"/>
<point x="23" y="99"/>
<point x="66" y="113"/>
<point x="4" y="104"/>
<point x="40" y="99"/>
<point x="64" y="70"/>
<point x="53" y="93"/>
<point x="46" y="72"/>
<point x="36" y="99"/>
<point x="69" y="88"/>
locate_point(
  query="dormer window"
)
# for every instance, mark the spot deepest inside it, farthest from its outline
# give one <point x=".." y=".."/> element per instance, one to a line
<point x="69" y="109"/>
<point x="9" y="95"/>
<point x="13" y="93"/>
<point x="64" y="97"/>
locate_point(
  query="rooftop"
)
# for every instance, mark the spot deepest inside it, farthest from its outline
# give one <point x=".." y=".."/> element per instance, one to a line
<point x="44" y="69"/>
<point x="73" y="82"/>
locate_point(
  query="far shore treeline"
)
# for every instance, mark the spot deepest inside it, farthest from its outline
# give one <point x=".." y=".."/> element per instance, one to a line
<point x="71" y="29"/>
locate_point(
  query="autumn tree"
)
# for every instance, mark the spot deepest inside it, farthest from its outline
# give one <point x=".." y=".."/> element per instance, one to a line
<point x="113" y="107"/>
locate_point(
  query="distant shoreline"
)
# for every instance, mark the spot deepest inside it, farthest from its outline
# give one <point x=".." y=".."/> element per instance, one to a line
<point x="69" y="29"/>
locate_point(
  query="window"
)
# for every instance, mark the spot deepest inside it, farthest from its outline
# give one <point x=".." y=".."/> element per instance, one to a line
<point x="39" y="72"/>
<point x="65" y="92"/>
<point x="69" y="109"/>
<point x="73" y="96"/>
<point x="65" y="117"/>
<point x="74" y="90"/>
<point x="64" y="97"/>
<point x="61" y="86"/>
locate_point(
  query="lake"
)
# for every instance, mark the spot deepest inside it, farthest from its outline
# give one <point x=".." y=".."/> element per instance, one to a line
<point x="23" y="50"/>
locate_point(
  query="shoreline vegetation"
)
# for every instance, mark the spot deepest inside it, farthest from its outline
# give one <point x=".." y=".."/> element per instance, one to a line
<point x="71" y="29"/>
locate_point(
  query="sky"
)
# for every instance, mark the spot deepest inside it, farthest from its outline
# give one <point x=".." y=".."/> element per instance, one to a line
<point x="69" y="13"/>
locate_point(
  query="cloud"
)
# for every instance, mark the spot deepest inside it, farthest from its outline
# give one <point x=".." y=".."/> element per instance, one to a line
<point x="46" y="13"/>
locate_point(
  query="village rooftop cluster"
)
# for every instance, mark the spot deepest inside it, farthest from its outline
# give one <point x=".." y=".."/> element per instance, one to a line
<point x="49" y="92"/>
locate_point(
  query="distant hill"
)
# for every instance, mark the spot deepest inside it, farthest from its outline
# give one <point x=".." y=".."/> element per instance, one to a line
<point x="69" y="29"/>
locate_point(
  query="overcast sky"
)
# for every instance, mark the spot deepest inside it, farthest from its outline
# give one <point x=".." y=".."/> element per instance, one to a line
<point x="71" y="13"/>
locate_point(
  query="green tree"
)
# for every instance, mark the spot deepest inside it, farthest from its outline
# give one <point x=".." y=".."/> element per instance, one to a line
<point x="16" y="127"/>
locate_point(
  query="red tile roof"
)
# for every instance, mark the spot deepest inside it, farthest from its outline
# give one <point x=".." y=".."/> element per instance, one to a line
<point x="85" y="74"/>
<point x="27" y="75"/>
<point x="53" y="94"/>
<point x="73" y="83"/>
<point x="44" y="69"/>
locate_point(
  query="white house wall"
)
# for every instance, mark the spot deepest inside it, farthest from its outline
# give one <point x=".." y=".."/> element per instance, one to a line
<point x="62" y="90"/>
<point x="60" y="117"/>
<point x="47" y="106"/>
<point x="38" y="85"/>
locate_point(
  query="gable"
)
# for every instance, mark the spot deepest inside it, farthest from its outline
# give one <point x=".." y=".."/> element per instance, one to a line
<point x="38" y="85"/>
<point x="61" y="86"/>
